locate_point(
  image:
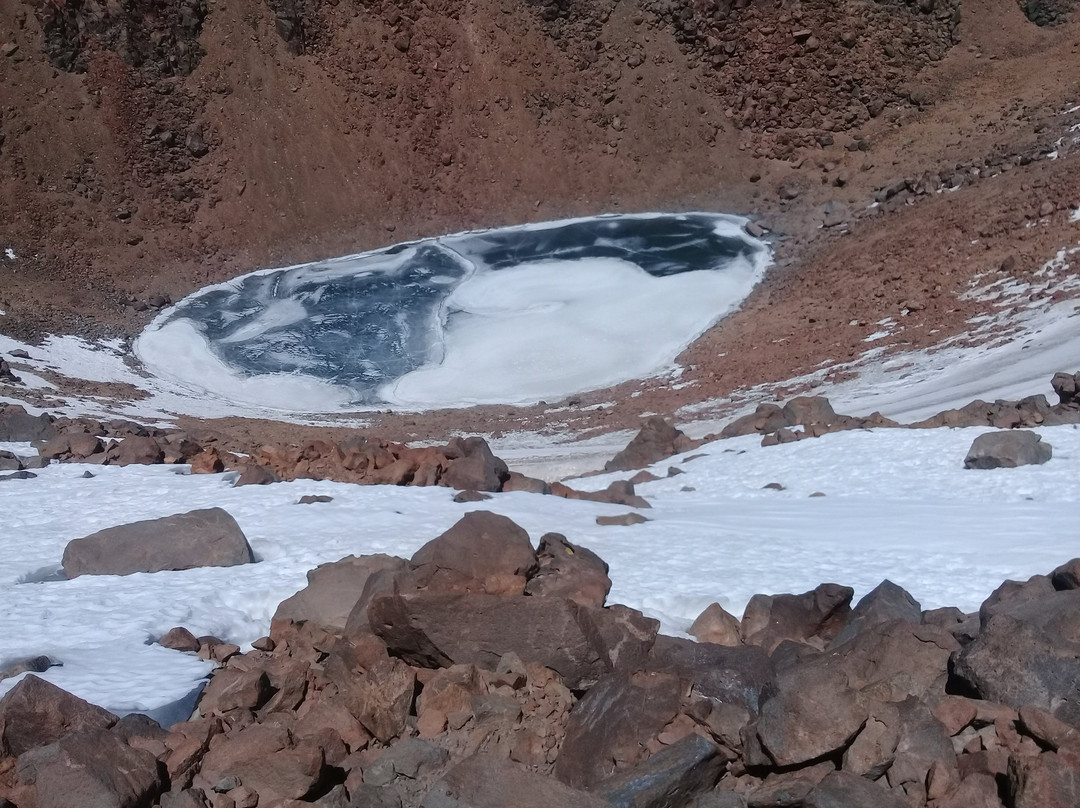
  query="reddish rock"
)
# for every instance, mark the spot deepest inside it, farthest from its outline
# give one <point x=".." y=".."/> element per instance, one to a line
<point x="814" y="617"/>
<point x="208" y="461"/>
<point x="136" y="450"/>
<point x="1047" y="781"/>
<point x="613" y="723"/>
<point x="656" y="440"/>
<point x="473" y="466"/>
<point x="569" y="571"/>
<point x="482" y="552"/>
<point x="715" y="625"/>
<point x="382" y="698"/>
<point x="813" y="713"/>
<point x="1026" y="655"/>
<point x="35" y="713"/>
<point x="437" y="630"/>
<point x="88" y="769"/>
<point x="179" y="639"/>
<point x="231" y="689"/>
<point x="846" y="790"/>
<point x="516" y="481"/>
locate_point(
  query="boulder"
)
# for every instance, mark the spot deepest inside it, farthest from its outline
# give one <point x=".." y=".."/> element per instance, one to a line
<point x="90" y="768"/>
<point x="672" y="776"/>
<point x="333" y="590"/>
<point x="487" y="781"/>
<point x="613" y="723"/>
<point x="473" y="466"/>
<point x="814" y="617"/>
<point x="846" y="790"/>
<point x="516" y="481"/>
<point x="382" y="698"/>
<point x="203" y="538"/>
<point x="735" y="676"/>
<point x="883" y="603"/>
<point x="715" y="625"/>
<point x="1047" y="781"/>
<point x="18" y="426"/>
<point x="441" y="629"/>
<point x="766" y="419"/>
<point x="569" y="571"/>
<point x="1067" y="387"/>
<point x="812" y="713"/>
<point x="1007" y="449"/>
<point x="808" y="410"/>
<point x="136" y="450"/>
<point x="1027" y="654"/>
<point x="923" y="746"/>
<point x="482" y="552"/>
<point x="36" y="712"/>
<point x="656" y="440"/>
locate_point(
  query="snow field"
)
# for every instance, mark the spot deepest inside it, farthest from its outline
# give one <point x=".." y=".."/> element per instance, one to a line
<point x="898" y="505"/>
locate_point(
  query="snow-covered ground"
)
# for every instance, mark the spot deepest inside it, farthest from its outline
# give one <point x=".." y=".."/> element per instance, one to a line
<point x="898" y="504"/>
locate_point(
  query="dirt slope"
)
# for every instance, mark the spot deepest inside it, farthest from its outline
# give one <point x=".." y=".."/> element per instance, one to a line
<point x="150" y="147"/>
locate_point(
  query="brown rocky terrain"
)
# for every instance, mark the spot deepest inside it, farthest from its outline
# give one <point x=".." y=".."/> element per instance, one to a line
<point x="150" y="148"/>
<point x="484" y="673"/>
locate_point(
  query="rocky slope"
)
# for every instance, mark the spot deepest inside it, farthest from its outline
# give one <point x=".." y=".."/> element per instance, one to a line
<point x="189" y="142"/>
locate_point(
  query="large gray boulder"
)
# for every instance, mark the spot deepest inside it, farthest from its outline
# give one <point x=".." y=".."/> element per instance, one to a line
<point x="1007" y="449"/>
<point x="203" y="538"/>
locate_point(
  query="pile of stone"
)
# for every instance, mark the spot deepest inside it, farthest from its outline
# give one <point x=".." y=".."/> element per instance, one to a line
<point x="483" y="673"/>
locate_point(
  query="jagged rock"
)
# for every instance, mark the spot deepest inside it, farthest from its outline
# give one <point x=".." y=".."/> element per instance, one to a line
<point x="1047" y="781"/>
<point x="716" y="626"/>
<point x="35" y="713"/>
<point x="814" y="617"/>
<point x="656" y="440"/>
<point x="203" y="538"/>
<point x="1067" y="387"/>
<point x="885" y="602"/>
<point x="994" y="450"/>
<point x="382" y="699"/>
<point x="569" y="571"/>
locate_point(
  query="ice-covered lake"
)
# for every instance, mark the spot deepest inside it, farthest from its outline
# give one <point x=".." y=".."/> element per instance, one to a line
<point x="513" y="315"/>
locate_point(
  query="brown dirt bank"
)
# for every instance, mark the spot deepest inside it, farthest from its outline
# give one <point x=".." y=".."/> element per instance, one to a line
<point x="397" y="121"/>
